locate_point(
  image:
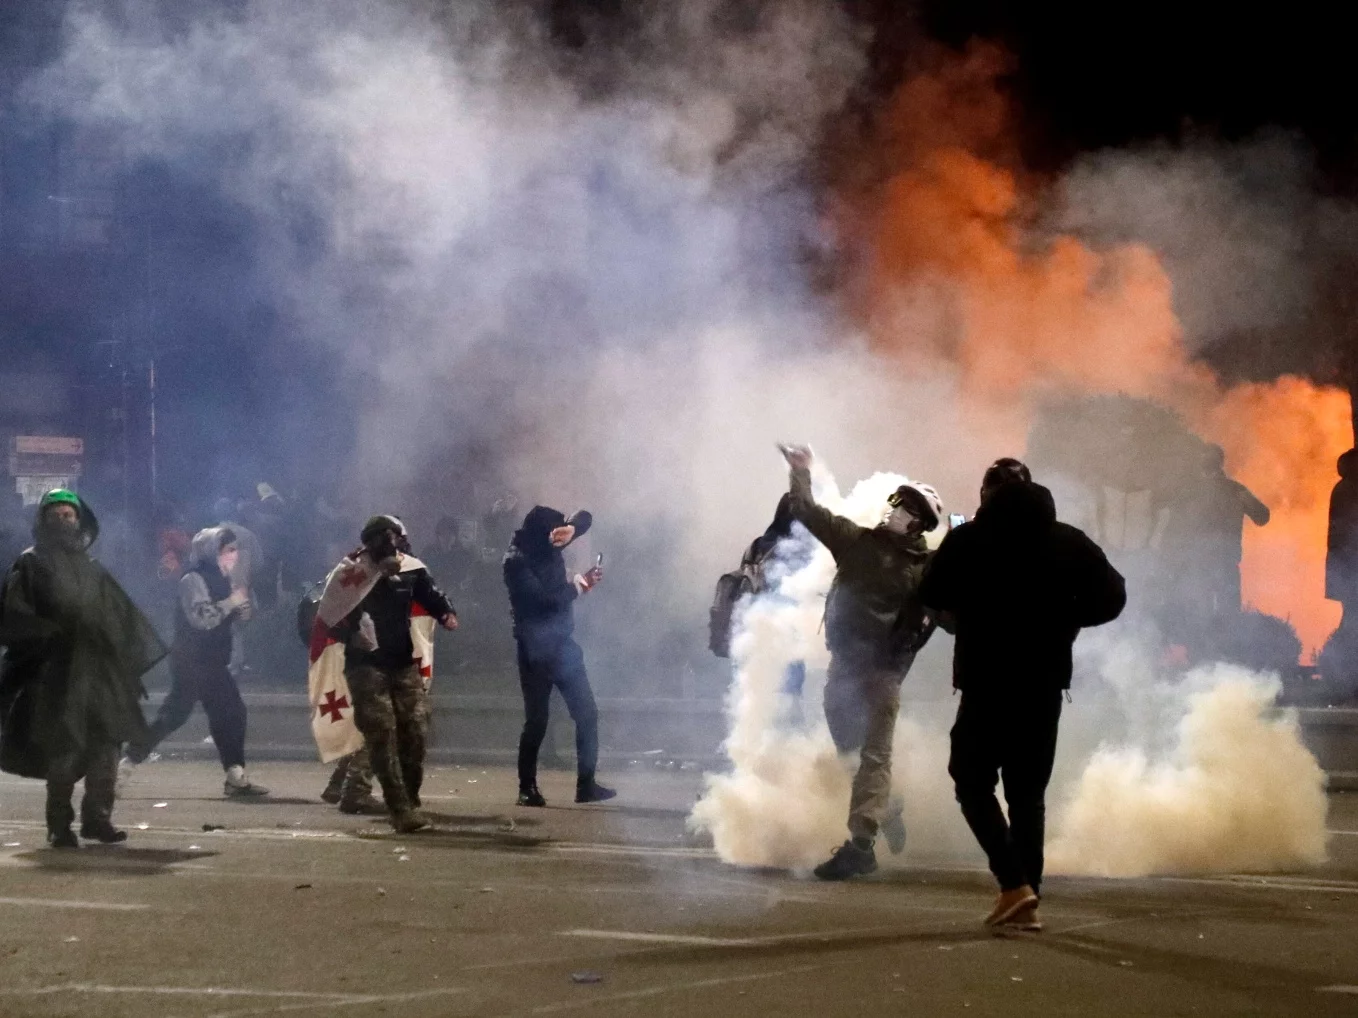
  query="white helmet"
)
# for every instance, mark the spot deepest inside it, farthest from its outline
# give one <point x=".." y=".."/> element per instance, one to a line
<point x="929" y="495"/>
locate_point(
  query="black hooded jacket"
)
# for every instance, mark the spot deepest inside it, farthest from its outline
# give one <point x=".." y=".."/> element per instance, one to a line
<point x="1019" y="587"/>
<point x="540" y="593"/>
<point x="76" y="648"/>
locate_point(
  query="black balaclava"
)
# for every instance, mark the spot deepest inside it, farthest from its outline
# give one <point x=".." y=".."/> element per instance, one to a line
<point x="534" y="537"/>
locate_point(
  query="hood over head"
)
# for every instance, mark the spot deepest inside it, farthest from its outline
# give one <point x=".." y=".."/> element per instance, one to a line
<point x="207" y="544"/>
<point x="89" y="523"/>
<point x="1347" y="462"/>
<point x="535" y="533"/>
<point x="1019" y="506"/>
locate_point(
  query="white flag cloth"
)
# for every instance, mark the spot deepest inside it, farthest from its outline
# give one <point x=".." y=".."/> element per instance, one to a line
<point x="332" y="708"/>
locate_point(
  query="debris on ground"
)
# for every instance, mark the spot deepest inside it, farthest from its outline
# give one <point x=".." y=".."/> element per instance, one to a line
<point x="143" y="826"/>
<point x="586" y="977"/>
<point x="214" y="827"/>
<point x="301" y="887"/>
<point x="160" y="805"/>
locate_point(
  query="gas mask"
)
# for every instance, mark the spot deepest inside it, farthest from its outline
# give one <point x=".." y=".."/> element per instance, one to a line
<point x="386" y="550"/>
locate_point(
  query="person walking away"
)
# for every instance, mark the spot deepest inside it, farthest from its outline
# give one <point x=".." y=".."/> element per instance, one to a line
<point x="1016" y="587"/>
<point x="369" y="608"/>
<point x="541" y="599"/>
<point x="209" y="608"/>
<point x="874" y="626"/>
<point x="76" y="648"/>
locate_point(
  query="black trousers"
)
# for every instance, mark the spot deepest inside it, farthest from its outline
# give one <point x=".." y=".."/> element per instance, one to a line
<point x="212" y="685"/>
<point x="540" y="668"/>
<point x="97" y="763"/>
<point x="1014" y="738"/>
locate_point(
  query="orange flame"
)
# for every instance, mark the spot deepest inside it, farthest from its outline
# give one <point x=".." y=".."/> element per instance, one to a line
<point x="952" y="274"/>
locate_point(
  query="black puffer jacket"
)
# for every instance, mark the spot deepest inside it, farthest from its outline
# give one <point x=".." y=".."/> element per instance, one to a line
<point x="540" y="593"/>
<point x="1019" y="587"/>
<point x="873" y="613"/>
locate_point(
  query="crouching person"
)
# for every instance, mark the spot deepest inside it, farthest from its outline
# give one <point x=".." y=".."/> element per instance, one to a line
<point x="370" y="608"/>
<point x="75" y="651"/>
<point x="874" y="625"/>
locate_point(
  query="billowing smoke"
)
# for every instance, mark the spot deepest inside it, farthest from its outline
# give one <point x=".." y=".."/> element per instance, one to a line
<point x="1156" y="774"/>
<point x="1237" y="792"/>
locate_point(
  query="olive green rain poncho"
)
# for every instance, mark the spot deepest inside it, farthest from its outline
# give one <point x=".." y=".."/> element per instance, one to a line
<point x="76" y="648"/>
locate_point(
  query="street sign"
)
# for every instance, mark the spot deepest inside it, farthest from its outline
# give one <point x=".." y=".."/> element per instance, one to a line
<point x="48" y="445"/>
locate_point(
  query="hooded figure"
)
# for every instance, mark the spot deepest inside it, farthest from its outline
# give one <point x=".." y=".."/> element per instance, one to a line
<point x="874" y="625"/>
<point x="210" y="605"/>
<point x="541" y="598"/>
<point x="76" y="648"/>
<point x="1016" y="587"/>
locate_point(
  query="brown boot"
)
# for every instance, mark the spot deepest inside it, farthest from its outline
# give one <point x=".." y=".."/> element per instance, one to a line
<point x="1024" y="920"/>
<point x="1010" y="904"/>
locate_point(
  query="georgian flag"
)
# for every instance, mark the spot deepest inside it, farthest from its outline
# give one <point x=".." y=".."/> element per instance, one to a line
<point x="332" y="708"/>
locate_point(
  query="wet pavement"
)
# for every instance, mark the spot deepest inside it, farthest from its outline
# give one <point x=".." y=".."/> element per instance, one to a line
<point x="294" y="908"/>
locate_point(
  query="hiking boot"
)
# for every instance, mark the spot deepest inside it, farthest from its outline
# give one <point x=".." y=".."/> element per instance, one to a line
<point x="102" y="831"/>
<point x="531" y="797"/>
<point x="237" y="785"/>
<point x="62" y="837"/>
<point x="407" y="821"/>
<point x="893" y="829"/>
<point x="1025" y="920"/>
<point x="848" y="860"/>
<point x="369" y="805"/>
<point x="1010" y="904"/>
<point x="592" y="791"/>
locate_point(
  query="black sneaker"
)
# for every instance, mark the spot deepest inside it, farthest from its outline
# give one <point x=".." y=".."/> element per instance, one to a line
<point x="593" y="792"/>
<point x="848" y="861"/>
<point x="331" y="795"/>
<point x="893" y="829"/>
<point x="531" y="797"/>
<point x="62" y="838"/>
<point x="102" y="831"/>
<point x="408" y="822"/>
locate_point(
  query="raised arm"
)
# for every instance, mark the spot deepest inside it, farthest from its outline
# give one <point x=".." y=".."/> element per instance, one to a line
<point x="835" y="532"/>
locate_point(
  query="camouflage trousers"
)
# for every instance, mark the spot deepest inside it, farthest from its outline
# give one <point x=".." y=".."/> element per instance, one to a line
<point x="391" y="709"/>
<point x="352" y="780"/>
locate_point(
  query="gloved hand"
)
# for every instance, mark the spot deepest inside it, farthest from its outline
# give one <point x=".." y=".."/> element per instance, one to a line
<point x="798" y="457"/>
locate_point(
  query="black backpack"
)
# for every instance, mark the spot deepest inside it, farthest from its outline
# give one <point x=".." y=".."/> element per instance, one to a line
<point x="731" y="587"/>
<point x="306" y="611"/>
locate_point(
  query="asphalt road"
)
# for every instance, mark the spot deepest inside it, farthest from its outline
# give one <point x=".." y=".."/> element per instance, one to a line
<point x="294" y="908"/>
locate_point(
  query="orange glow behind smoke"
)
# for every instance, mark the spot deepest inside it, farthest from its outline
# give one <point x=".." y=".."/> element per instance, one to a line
<point x="1282" y="440"/>
<point x="952" y="275"/>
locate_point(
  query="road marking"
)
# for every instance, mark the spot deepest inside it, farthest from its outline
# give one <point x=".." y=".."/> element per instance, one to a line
<point x="174" y="991"/>
<point x="593" y="1001"/>
<point x="1281" y="883"/>
<point x="692" y="940"/>
<point x="99" y="906"/>
<point x="1338" y="989"/>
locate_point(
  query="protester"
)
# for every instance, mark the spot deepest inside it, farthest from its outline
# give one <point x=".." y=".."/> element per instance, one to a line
<point x="874" y="625"/>
<point x="75" y="651"/>
<point x="541" y="598"/>
<point x="208" y="611"/>
<point x="1016" y="586"/>
<point x="1340" y="658"/>
<point x="368" y="608"/>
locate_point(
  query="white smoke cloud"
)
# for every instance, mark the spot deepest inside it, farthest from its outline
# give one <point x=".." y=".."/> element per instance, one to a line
<point x="1155" y="774"/>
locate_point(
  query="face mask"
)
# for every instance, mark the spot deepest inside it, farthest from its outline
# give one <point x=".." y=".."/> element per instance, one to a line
<point x="899" y="520"/>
